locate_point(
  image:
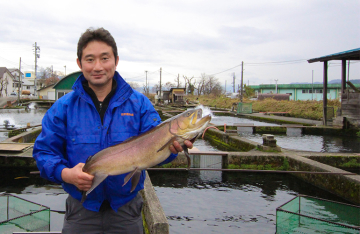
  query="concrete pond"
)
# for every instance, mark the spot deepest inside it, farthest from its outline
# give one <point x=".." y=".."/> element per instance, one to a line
<point x="236" y="152"/>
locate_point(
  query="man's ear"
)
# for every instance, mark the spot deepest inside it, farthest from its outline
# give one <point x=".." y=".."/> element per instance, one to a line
<point x="78" y="62"/>
<point x="116" y="61"/>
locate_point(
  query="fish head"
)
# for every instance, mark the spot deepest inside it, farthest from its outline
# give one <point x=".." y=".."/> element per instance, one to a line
<point x="189" y="124"/>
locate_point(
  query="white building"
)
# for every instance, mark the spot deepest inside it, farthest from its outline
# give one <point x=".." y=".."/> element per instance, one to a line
<point x="8" y="81"/>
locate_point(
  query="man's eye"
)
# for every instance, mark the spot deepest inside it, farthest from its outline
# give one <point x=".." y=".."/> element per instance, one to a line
<point x="105" y="58"/>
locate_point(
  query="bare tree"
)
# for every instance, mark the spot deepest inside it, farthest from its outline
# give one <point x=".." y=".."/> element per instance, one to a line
<point x="2" y="85"/>
<point x="145" y="89"/>
<point x="188" y="84"/>
<point x="211" y="85"/>
<point x="177" y="81"/>
<point x="168" y="85"/>
<point x="51" y="80"/>
<point x="201" y="84"/>
<point x="134" y="85"/>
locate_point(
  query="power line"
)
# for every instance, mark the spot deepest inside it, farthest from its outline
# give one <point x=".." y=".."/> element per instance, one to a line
<point x="264" y="63"/>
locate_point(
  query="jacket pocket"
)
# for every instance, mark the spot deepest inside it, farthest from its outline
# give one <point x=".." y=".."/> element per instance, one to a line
<point x="80" y="147"/>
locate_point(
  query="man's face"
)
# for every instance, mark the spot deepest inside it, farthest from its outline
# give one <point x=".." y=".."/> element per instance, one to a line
<point x="98" y="64"/>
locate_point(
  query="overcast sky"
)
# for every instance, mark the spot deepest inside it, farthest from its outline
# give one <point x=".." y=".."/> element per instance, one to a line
<point x="188" y="37"/>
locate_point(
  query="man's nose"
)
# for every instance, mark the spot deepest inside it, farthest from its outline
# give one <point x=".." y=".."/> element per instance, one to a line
<point x="98" y="65"/>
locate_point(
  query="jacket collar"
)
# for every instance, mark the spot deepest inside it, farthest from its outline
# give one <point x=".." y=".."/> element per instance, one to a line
<point x="123" y="90"/>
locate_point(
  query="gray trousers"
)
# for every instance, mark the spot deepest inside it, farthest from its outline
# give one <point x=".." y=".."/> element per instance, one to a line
<point x="127" y="219"/>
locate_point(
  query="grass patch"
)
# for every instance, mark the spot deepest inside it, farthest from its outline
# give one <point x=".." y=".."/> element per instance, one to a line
<point x="308" y="109"/>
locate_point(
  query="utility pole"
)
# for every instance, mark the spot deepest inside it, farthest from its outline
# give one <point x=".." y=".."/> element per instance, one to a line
<point x="146" y="86"/>
<point x="178" y="80"/>
<point x="276" y="80"/>
<point x="242" y="79"/>
<point x="65" y="70"/>
<point x="160" y="83"/>
<point x="37" y="55"/>
<point x="312" y="85"/>
<point x="233" y="82"/>
<point x="19" y="85"/>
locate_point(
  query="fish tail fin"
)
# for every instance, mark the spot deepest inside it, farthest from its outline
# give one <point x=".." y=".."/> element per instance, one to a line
<point x="134" y="176"/>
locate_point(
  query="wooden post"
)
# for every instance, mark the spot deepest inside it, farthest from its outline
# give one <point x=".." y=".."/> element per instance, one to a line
<point x="343" y="76"/>
<point x="325" y="80"/>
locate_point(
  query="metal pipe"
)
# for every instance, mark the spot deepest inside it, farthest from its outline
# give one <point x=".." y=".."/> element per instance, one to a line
<point x="249" y="170"/>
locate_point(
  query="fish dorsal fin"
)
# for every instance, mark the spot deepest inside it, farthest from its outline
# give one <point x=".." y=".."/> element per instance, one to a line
<point x="98" y="178"/>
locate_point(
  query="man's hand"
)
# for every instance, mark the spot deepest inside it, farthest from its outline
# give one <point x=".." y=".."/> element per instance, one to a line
<point x="176" y="147"/>
<point x="77" y="177"/>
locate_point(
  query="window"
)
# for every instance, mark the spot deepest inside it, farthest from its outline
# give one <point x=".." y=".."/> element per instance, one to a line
<point x="305" y="91"/>
<point x="318" y="91"/>
<point x="289" y="94"/>
<point x="60" y="94"/>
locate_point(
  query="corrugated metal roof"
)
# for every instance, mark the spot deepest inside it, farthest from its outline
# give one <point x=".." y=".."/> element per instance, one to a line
<point x="353" y="54"/>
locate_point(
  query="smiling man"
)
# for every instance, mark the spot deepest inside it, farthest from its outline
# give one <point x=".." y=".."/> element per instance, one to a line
<point x="102" y="111"/>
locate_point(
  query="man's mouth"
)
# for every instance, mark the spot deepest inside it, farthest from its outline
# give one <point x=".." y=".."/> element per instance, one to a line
<point x="97" y="75"/>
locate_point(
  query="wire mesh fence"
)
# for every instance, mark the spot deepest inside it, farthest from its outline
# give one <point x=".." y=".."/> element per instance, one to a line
<point x="244" y="108"/>
<point x="305" y="214"/>
<point x="18" y="214"/>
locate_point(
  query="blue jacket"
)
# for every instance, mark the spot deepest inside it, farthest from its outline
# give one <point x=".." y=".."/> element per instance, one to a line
<point x="72" y="131"/>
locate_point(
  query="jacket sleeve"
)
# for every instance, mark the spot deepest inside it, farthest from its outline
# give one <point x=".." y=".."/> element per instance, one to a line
<point x="50" y="146"/>
<point x="149" y="119"/>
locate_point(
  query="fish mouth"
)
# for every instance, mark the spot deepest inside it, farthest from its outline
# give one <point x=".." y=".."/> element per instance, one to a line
<point x="203" y="121"/>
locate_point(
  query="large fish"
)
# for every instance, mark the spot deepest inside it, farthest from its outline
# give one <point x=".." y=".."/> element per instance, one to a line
<point x="146" y="150"/>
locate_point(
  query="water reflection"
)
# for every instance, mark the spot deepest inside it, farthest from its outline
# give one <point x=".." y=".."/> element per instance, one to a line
<point x="313" y="143"/>
<point x="244" y="202"/>
<point x="231" y="120"/>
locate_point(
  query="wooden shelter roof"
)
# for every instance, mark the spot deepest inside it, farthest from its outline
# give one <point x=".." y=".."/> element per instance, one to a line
<point x="353" y="54"/>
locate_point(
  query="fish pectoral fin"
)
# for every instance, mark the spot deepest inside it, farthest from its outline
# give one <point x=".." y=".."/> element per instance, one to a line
<point x="98" y="178"/>
<point x="186" y="151"/>
<point x="83" y="196"/>
<point x="134" y="176"/>
<point x="166" y="144"/>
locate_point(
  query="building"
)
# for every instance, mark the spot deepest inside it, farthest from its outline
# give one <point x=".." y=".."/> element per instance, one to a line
<point x="300" y="91"/>
<point x="29" y="82"/>
<point x="47" y="92"/>
<point x="350" y="93"/>
<point x="64" y="85"/>
<point x="177" y="95"/>
<point x="8" y="82"/>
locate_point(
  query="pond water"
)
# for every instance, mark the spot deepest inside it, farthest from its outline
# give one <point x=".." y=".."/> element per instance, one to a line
<point x="215" y="202"/>
<point x="20" y="118"/>
<point x="313" y="143"/>
<point x="316" y="143"/>
<point x="230" y="120"/>
<point x="227" y="202"/>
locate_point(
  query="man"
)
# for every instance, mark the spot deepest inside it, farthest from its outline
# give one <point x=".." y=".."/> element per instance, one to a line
<point x="103" y="110"/>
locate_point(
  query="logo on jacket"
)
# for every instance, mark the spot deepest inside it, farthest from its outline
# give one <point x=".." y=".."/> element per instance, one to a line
<point x="127" y="114"/>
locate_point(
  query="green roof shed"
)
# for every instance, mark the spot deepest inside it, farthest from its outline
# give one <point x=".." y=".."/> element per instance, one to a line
<point x="64" y="85"/>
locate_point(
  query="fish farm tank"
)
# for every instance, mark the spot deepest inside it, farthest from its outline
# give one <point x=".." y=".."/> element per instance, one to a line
<point x="17" y="214"/>
<point x="306" y="214"/>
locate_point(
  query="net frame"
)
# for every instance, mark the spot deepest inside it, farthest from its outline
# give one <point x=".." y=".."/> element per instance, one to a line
<point x="22" y="214"/>
<point x="297" y="201"/>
